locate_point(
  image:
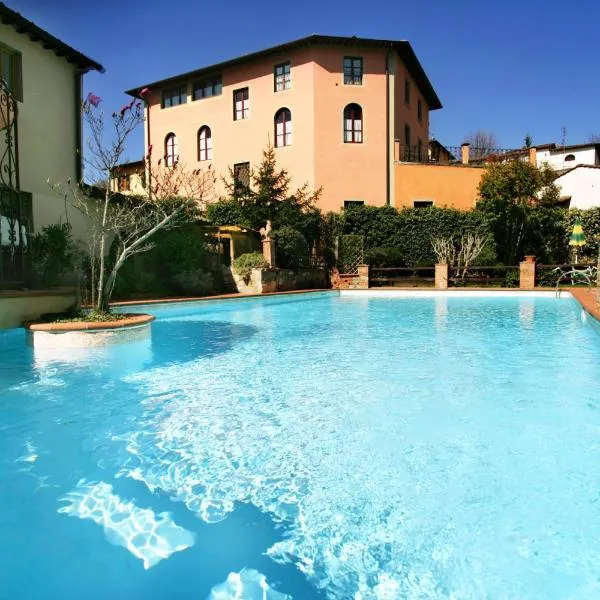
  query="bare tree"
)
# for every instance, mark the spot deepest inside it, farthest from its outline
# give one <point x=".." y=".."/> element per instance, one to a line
<point x="445" y="251"/>
<point x="459" y="253"/>
<point x="178" y="196"/>
<point x="470" y="247"/>
<point x="482" y="143"/>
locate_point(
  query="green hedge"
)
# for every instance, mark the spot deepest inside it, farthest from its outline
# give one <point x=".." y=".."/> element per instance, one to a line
<point x="54" y="255"/>
<point x="179" y="264"/>
<point x="410" y="231"/>
<point x="402" y="238"/>
<point x="291" y="249"/>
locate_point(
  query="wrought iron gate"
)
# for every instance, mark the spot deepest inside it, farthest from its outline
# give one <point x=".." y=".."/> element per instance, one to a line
<point x="15" y="205"/>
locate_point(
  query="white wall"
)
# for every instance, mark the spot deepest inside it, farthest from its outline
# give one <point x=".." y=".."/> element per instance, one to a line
<point x="47" y="129"/>
<point x="583" y="185"/>
<point x="556" y="158"/>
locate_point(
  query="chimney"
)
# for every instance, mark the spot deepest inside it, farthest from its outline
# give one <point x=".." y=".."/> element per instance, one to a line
<point x="464" y="153"/>
<point x="533" y="156"/>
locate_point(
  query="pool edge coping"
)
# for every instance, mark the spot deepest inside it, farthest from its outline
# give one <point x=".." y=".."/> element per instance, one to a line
<point x="581" y="295"/>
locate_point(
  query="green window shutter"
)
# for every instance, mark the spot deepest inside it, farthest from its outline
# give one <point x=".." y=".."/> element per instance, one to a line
<point x="17" y="76"/>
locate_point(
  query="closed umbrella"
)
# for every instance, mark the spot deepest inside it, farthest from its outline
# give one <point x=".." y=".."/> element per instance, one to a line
<point x="577" y="238"/>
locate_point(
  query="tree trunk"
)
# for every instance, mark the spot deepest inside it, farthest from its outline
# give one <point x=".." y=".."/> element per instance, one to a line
<point x="102" y="299"/>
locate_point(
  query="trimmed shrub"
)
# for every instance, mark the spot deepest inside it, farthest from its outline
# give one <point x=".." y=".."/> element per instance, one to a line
<point x="53" y="255"/>
<point x="226" y="212"/>
<point x="244" y="264"/>
<point x="291" y="249"/>
<point x="196" y="282"/>
<point x="385" y="257"/>
<point x="410" y="230"/>
<point x="179" y="264"/>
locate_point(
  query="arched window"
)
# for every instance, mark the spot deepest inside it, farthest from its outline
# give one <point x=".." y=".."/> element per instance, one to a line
<point x="569" y="157"/>
<point x="204" y="143"/>
<point x="353" y="124"/>
<point x="283" y="127"/>
<point x="171" y="150"/>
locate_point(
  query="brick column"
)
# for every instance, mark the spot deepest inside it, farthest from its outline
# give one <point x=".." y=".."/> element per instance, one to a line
<point x="527" y="273"/>
<point x="464" y="153"/>
<point x="269" y="251"/>
<point x="363" y="277"/>
<point x="441" y="276"/>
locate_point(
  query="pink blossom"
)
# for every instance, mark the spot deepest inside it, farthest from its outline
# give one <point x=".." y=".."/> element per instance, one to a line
<point x="93" y="99"/>
<point x="127" y="107"/>
<point x="145" y="92"/>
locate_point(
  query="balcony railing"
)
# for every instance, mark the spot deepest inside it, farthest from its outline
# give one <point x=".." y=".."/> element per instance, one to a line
<point x="9" y="156"/>
<point x="453" y="155"/>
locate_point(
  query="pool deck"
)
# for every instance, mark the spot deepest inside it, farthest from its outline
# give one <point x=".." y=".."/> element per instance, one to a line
<point x="588" y="300"/>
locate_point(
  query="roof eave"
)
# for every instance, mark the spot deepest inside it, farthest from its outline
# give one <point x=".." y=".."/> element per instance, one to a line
<point x="48" y="41"/>
<point x="402" y="48"/>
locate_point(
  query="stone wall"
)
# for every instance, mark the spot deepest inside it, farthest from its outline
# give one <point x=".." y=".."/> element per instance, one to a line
<point x="345" y="281"/>
<point x="264" y="281"/>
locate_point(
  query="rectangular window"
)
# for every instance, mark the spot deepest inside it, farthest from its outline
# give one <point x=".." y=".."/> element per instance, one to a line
<point x="283" y="76"/>
<point x="419" y="150"/>
<point x="420" y="110"/>
<point x="10" y="71"/>
<point x="124" y="183"/>
<point x="241" y="174"/>
<point x="353" y="203"/>
<point x="422" y="203"/>
<point x="353" y="70"/>
<point x="205" y="88"/>
<point x="241" y="104"/>
<point x="407" y="91"/>
<point x="174" y="96"/>
<point x="407" y="135"/>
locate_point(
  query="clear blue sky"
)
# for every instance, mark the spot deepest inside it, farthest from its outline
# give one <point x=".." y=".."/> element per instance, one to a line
<point x="509" y="67"/>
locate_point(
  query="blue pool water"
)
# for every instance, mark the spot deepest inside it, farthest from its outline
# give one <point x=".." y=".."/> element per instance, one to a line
<point x="312" y="446"/>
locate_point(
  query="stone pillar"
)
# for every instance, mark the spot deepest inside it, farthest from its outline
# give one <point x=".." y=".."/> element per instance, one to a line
<point x="533" y="156"/>
<point x="363" y="277"/>
<point x="269" y="251"/>
<point x="441" y="276"/>
<point x="527" y="273"/>
<point x="464" y="153"/>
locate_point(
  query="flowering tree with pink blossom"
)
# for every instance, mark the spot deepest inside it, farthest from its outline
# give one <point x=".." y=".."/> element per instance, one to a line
<point x="125" y="225"/>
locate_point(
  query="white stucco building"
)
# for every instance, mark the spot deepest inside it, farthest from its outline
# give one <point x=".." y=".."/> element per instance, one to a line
<point x="577" y="170"/>
<point x="580" y="186"/>
<point x="567" y="157"/>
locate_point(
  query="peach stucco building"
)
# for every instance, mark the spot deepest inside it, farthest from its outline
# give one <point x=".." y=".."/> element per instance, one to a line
<point x="332" y="107"/>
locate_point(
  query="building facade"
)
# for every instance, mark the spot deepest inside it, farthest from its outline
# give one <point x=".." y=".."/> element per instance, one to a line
<point x="331" y="106"/>
<point x="44" y="76"/>
<point x="130" y="179"/>
<point x="580" y="186"/>
<point x="40" y="137"/>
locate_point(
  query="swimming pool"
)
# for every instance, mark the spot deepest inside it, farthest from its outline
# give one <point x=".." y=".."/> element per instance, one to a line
<point x="310" y="446"/>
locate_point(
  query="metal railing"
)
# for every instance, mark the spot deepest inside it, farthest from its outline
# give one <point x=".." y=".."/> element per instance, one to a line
<point x="15" y="205"/>
<point x="424" y="154"/>
<point x="452" y="155"/>
<point x="484" y="276"/>
<point x="402" y="276"/>
<point x="566" y="274"/>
